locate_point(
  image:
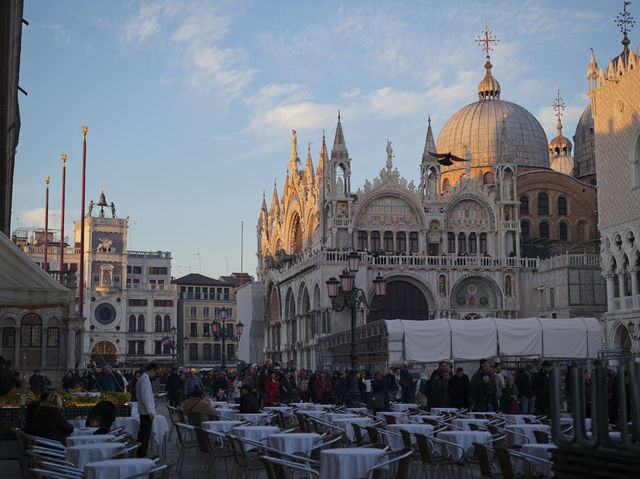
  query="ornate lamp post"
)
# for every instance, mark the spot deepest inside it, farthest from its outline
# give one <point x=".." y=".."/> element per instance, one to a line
<point x="219" y="333"/>
<point x="171" y="341"/>
<point x="344" y="294"/>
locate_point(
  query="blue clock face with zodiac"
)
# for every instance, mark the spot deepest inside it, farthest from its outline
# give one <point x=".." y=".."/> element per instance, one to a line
<point x="105" y="313"/>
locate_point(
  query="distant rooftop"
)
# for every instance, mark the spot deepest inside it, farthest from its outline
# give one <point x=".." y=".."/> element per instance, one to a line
<point x="196" y="279"/>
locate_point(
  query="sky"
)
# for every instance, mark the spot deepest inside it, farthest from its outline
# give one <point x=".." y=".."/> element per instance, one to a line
<point x="190" y="103"/>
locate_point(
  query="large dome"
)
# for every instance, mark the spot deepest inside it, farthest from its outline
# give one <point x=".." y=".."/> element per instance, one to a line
<point x="584" y="141"/>
<point x="480" y="125"/>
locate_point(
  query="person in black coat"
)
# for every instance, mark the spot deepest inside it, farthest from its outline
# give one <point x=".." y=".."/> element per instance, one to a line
<point x="526" y="392"/>
<point x="379" y="386"/>
<point x="485" y="395"/>
<point x="174" y="388"/>
<point x="460" y="389"/>
<point x="437" y="392"/>
<point x="542" y="387"/>
<point x="49" y="422"/>
<point x="248" y="401"/>
<point x="102" y="416"/>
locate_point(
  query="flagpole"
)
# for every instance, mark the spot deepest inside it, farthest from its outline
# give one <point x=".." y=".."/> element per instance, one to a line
<point x="81" y="282"/>
<point x="46" y="226"/>
<point x="64" y="174"/>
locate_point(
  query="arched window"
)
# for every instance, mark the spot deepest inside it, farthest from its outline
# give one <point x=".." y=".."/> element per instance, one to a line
<point x="582" y="232"/>
<point x="401" y="241"/>
<point x="413" y="242"/>
<point x="564" y="231"/>
<point x="488" y="178"/>
<point x="451" y="243"/>
<point x="167" y="322"/>
<point x="158" y="323"/>
<point x="31" y="340"/>
<point x="388" y="241"/>
<point x="462" y="243"/>
<point x="483" y="242"/>
<point x="524" y="228"/>
<point x="141" y="327"/>
<point x="543" y="203"/>
<point x="375" y="241"/>
<point x="9" y="339"/>
<point x="524" y="205"/>
<point x="562" y="206"/>
<point x="472" y="243"/>
<point x="544" y="230"/>
<point x="132" y="323"/>
<point x="362" y="241"/>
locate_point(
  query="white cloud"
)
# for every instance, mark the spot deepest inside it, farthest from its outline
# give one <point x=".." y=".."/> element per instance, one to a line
<point x="60" y="34"/>
<point x="34" y="218"/>
<point x="145" y="24"/>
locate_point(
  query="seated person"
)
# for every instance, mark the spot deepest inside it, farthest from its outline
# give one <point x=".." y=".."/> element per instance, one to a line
<point x="29" y="422"/>
<point x="248" y="401"/>
<point x="49" y="421"/>
<point x="102" y="416"/>
<point x="198" y="409"/>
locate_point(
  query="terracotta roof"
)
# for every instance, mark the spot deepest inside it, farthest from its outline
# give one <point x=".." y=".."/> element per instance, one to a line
<point x="195" y="279"/>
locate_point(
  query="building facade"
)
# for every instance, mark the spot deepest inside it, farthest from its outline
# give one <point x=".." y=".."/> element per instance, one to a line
<point x="200" y="302"/>
<point x="453" y="246"/>
<point x="129" y="301"/>
<point x="615" y="110"/>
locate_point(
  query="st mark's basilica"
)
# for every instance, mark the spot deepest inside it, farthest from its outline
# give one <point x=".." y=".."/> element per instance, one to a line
<point x="508" y="229"/>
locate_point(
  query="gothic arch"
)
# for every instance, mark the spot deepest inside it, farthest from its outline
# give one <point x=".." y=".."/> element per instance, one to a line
<point x="104" y="351"/>
<point x="478" y="199"/>
<point x="376" y="194"/>
<point x="289" y="305"/>
<point x="273" y="304"/>
<point x="476" y="292"/>
<point x="317" y="299"/>
<point x="407" y="298"/>
<point x="294" y="232"/>
<point x="621" y="338"/>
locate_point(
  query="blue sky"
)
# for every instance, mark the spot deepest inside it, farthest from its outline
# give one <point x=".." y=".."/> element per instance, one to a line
<point x="190" y="103"/>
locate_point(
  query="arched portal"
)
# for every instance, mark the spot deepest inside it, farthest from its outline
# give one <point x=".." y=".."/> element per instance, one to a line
<point x="476" y="294"/>
<point x="104" y="351"/>
<point x="621" y="338"/>
<point x="402" y="301"/>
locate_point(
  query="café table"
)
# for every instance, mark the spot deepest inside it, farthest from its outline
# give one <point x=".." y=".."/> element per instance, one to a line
<point x="255" y="433"/>
<point x="76" y="423"/>
<point x="337" y="415"/>
<point x="526" y="430"/>
<point x="322" y="407"/>
<point x="543" y="451"/>
<point x="90" y="439"/>
<point x="357" y="410"/>
<point x="290" y="443"/>
<point x="83" y="431"/>
<point x="220" y="426"/>
<point x="227" y="413"/>
<point x="418" y="418"/>
<point x="303" y="405"/>
<point x="82" y="454"/>
<point x="464" y="423"/>
<point x="259" y="419"/>
<point x="568" y="421"/>
<point x="464" y="439"/>
<point x="117" y="468"/>
<point x="159" y="427"/>
<point x="345" y="423"/>
<point x="401" y="407"/>
<point x="348" y="463"/>
<point x="400" y="416"/>
<point x="283" y="409"/>
<point x="442" y="410"/>
<point x="395" y="442"/>
<point x="318" y="414"/>
<point x="518" y="418"/>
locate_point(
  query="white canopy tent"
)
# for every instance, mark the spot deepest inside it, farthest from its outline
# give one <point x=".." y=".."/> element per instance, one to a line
<point x="24" y="283"/>
<point x="439" y="339"/>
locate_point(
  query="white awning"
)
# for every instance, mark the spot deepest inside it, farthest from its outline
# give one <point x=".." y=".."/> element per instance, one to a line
<point x="24" y="283"/>
<point x="439" y="339"/>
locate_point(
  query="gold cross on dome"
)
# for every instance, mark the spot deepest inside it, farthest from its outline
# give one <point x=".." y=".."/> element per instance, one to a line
<point x="624" y="20"/>
<point x="559" y="105"/>
<point x="487" y="39"/>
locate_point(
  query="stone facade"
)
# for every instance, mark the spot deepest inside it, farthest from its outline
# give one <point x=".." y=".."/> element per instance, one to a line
<point x="615" y="106"/>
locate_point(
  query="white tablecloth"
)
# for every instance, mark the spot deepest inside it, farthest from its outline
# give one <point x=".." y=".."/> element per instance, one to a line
<point x="418" y="418"/>
<point x="226" y="413"/>
<point x="322" y="407"/>
<point x="319" y="414"/>
<point x="400" y="416"/>
<point x="131" y="424"/>
<point x="517" y="418"/>
<point x="290" y="443"/>
<point x="345" y="423"/>
<point x="255" y="433"/>
<point x="82" y="454"/>
<point x="526" y="430"/>
<point x="259" y="419"/>
<point x="464" y="423"/>
<point x="357" y="410"/>
<point x="396" y="442"/>
<point x="336" y="415"/>
<point x="77" y="422"/>
<point x="461" y="438"/>
<point x="83" y="431"/>
<point x="91" y="439"/>
<point x="117" y="468"/>
<point x="283" y="409"/>
<point x="223" y="404"/>
<point x="348" y="463"/>
<point x="303" y="405"/>
<point x="542" y="451"/>
<point x="440" y="410"/>
<point x="568" y="421"/>
<point x="401" y="407"/>
<point x="220" y="426"/>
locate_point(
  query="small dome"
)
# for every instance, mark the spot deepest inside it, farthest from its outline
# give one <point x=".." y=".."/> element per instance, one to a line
<point x="562" y="163"/>
<point x="489" y="88"/>
<point x="560" y="146"/>
<point x="584" y="140"/>
<point x="479" y="126"/>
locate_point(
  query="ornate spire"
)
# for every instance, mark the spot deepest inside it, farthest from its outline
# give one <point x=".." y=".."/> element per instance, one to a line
<point x="275" y="204"/>
<point x="339" y="150"/>
<point x="264" y="201"/>
<point x="625" y="22"/>
<point x="308" y="167"/>
<point x="489" y="88"/>
<point x="293" y="164"/>
<point x="429" y="145"/>
<point x="559" y="107"/>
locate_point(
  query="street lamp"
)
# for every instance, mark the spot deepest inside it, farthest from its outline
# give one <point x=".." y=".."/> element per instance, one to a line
<point x="354" y="298"/>
<point x="171" y="341"/>
<point x="219" y="333"/>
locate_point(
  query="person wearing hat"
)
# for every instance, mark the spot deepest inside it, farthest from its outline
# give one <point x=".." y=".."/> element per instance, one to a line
<point x="198" y="409"/>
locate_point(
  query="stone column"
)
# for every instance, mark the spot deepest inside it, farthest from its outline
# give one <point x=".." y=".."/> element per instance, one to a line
<point x="609" y="277"/>
<point x="368" y="240"/>
<point x="620" y="272"/>
<point x="634" y="286"/>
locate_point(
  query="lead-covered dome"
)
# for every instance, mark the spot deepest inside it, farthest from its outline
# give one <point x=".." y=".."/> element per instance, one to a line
<point x="584" y="146"/>
<point x="480" y="126"/>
